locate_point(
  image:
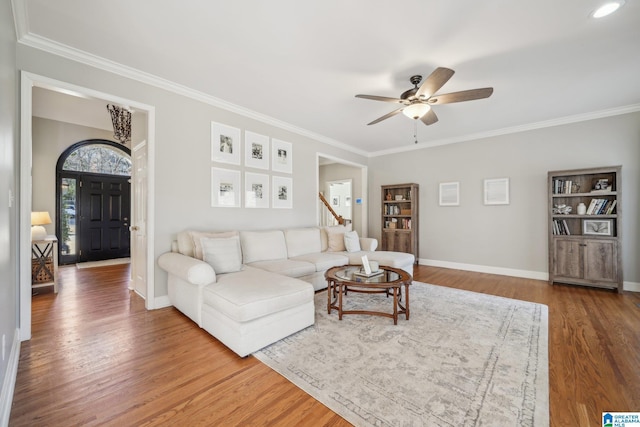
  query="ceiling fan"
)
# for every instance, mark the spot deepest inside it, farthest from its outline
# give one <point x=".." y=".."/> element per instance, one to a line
<point x="417" y="102"/>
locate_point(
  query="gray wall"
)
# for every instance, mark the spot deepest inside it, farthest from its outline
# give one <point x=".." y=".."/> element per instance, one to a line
<point x="183" y="153"/>
<point x="512" y="236"/>
<point x="8" y="183"/>
<point x="50" y="138"/>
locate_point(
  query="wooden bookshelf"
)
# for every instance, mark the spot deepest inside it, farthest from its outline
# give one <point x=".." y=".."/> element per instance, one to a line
<point x="585" y="248"/>
<point x="400" y="218"/>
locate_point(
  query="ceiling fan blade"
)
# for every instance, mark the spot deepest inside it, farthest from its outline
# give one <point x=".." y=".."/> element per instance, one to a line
<point x="429" y="118"/>
<point x="386" y="116"/>
<point x="381" y="98"/>
<point x="465" y="95"/>
<point x="434" y="82"/>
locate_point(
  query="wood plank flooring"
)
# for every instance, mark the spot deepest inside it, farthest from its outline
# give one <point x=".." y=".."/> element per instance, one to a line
<point x="97" y="357"/>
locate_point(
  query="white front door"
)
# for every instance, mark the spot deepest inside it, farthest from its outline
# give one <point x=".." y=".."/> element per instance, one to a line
<point x="139" y="220"/>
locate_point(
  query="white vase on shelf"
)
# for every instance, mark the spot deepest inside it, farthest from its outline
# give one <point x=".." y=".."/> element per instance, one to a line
<point x="582" y="209"/>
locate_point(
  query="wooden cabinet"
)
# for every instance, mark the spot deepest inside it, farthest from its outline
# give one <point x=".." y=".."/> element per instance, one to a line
<point x="585" y="242"/>
<point x="400" y="218"/>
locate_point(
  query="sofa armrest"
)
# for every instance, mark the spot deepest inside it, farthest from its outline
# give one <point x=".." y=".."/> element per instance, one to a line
<point x="368" y="243"/>
<point x="189" y="269"/>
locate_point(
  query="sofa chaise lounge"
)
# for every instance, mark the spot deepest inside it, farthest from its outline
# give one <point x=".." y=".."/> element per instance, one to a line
<point x="252" y="288"/>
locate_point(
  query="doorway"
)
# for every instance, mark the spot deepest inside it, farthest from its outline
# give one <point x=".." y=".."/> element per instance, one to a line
<point x="93" y="201"/>
<point x="27" y="82"/>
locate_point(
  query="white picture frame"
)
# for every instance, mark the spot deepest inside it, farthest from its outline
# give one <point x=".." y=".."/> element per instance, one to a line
<point x="597" y="227"/>
<point x="449" y="194"/>
<point x="226" y="144"/>
<point x="281" y="156"/>
<point x="256" y="190"/>
<point x="496" y="191"/>
<point x="282" y="192"/>
<point x="256" y="150"/>
<point x="225" y="188"/>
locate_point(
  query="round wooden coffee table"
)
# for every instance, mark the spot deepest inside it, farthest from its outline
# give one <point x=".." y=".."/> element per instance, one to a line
<point x="341" y="280"/>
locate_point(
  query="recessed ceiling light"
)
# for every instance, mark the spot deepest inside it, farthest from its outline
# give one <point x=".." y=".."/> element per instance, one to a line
<point x="607" y="9"/>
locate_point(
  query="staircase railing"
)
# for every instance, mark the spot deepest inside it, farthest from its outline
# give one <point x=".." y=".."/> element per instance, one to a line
<point x="335" y="215"/>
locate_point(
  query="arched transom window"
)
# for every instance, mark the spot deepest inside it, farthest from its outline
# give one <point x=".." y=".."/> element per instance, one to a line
<point x="98" y="158"/>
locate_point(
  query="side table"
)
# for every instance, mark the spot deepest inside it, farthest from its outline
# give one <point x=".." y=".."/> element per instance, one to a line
<point x="44" y="263"/>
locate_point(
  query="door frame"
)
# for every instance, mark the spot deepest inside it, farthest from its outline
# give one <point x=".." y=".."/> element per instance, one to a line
<point x="27" y="82"/>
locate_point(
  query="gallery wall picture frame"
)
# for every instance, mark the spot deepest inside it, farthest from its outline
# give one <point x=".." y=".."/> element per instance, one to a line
<point x="281" y="156"/>
<point x="256" y="190"/>
<point x="496" y="191"/>
<point x="282" y="192"/>
<point x="449" y="194"/>
<point x="335" y="201"/>
<point x="225" y="188"/>
<point x="226" y="144"/>
<point x="597" y="227"/>
<point x="256" y="150"/>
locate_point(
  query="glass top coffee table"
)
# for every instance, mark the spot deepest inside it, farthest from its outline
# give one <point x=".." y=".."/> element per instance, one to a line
<point x="341" y="280"/>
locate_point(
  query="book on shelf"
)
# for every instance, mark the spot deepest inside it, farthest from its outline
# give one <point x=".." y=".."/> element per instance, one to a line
<point x="560" y="227"/>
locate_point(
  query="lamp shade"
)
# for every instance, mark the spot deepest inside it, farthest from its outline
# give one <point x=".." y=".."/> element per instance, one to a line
<point x="40" y="218"/>
<point x="416" y="110"/>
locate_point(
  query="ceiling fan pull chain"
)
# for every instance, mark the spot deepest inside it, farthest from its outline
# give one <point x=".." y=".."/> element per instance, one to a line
<point x="415" y="130"/>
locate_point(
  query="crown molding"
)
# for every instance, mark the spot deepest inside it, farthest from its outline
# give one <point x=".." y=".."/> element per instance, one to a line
<point x="95" y="61"/>
<point x="515" y="129"/>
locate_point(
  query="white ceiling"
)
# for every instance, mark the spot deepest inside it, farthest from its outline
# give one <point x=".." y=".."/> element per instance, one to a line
<point x="302" y="62"/>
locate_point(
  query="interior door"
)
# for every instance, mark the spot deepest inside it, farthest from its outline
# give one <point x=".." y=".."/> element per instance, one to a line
<point x="105" y="206"/>
<point x="139" y="221"/>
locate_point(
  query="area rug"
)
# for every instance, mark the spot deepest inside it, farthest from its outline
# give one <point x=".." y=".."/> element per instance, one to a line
<point x="462" y="359"/>
<point x="91" y="264"/>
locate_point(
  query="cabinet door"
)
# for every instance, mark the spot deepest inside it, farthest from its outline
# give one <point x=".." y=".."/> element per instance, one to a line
<point x="388" y="240"/>
<point x="600" y="260"/>
<point x="568" y="259"/>
<point x="403" y="242"/>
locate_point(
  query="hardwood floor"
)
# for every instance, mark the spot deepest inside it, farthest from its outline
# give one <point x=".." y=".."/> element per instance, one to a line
<point x="97" y="357"/>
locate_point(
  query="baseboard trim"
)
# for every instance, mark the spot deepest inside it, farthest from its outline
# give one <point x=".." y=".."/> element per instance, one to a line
<point x="162" y="302"/>
<point x="525" y="274"/>
<point x="9" y="383"/>
<point x="631" y="286"/>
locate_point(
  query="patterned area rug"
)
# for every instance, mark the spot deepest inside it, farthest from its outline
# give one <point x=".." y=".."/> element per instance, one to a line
<point x="462" y="359"/>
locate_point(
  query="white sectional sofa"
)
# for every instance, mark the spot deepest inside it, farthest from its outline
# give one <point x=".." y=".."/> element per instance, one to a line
<point x="251" y="288"/>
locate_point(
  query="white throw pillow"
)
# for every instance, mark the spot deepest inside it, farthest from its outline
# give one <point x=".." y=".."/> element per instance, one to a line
<point x="325" y="231"/>
<point x="197" y="236"/>
<point x="223" y="254"/>
<point x="352" y="241"/>
<point x="336" y="242"/>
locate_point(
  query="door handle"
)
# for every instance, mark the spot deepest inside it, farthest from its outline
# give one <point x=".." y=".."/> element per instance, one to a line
<point x="134" y="228"/>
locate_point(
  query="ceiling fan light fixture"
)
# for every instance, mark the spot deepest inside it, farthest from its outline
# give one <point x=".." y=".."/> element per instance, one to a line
<point x="416" y="110"/>
<point x="607" y="9"/>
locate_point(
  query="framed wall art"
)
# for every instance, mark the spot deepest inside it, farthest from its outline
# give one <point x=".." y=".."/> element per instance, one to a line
<point x="496" y="191"/>
<point x="225" y="144"/>
<point x="256" y="150"/>
<point x="449" y="194"/>
<point x="256" y="190"/>
<point x="281" y="156"/>
<point x="225" y="188"/>
<point x="597" y="227"/>
<point x="282" y="192"/>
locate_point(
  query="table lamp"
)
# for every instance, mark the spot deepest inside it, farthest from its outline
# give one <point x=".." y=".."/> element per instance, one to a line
<point x="38" y="219"/>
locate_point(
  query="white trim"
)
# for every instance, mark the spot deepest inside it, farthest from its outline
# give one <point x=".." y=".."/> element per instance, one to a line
<point x="631" y="286"/>
<point x="28" y="81"/>
<point x="526" y="274"/>
<point x="9" y="383"/>
<point x="513" y="129"/>
<point x="162" y="302"/>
